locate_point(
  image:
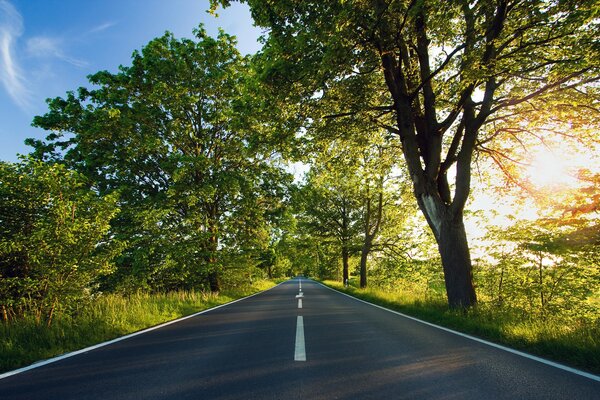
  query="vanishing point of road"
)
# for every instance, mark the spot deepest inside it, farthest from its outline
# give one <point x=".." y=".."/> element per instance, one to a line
<point x="299" y="340"/>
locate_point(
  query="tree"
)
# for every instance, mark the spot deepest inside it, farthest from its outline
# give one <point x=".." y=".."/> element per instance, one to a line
<point x="54" y="239"/>
<point x="331" y="210"/>
<point x="538" y="268"/>
<point x="356" y="145"/>
<point x="381" y="198"/>
<point x="449" y="70"/>
<point x="175" y="135"/>
<point x="351" y="194"/>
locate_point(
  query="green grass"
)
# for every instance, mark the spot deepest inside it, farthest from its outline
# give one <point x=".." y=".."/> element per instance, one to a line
<point x="107" y="317"/>
<point x="572" y="342"/>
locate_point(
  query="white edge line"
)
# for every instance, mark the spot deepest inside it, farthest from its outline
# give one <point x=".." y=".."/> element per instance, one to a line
<point x="498" y="346"/>
<point x="121" y="338"/>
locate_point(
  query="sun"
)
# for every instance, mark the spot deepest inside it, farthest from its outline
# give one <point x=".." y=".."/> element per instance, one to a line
<point x="552" y="169"/>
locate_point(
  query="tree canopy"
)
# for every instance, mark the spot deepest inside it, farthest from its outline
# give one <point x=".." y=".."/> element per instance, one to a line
<point x="175" y="136"/>
<point x="443" y="74"/>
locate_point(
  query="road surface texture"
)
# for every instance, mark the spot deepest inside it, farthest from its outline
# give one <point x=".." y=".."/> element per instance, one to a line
<point x="267" y="347"/>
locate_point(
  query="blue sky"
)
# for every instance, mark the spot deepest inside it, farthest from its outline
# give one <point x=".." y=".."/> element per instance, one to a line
<point x="49" y="46"/>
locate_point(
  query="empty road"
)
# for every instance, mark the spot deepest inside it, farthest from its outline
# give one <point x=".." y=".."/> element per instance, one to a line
<point x="298" y="340"/>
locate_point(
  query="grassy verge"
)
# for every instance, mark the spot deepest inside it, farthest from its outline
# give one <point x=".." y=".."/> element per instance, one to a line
<point x="24" y="342"/>
<point x="576" y="343"/>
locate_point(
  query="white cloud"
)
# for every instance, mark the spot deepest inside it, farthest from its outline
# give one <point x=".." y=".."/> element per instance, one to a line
<point x="47" y="47"/>
<point x="102" y="27"/>
<point x="11" y="75"/>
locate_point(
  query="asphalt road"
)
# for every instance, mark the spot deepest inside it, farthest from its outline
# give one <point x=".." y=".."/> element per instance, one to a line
<point x="254" y="349"/>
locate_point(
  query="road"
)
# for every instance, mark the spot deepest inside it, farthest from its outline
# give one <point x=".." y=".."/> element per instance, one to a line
<point x="256" y="349"/>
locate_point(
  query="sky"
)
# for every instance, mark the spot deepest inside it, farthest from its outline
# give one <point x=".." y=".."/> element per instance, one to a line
<point x="48" y="47"/>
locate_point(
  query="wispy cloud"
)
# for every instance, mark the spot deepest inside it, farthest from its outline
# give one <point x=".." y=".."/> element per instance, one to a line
<point x="44" y="46"/>
<point x="11" y="75"/>
<point x="102" y="27"/>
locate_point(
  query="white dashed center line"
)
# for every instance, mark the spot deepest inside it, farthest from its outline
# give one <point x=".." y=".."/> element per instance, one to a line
<point x="300" y="351"/>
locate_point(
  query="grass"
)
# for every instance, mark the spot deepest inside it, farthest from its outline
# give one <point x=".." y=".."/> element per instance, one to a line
<point x="107" y="317"/>
<point x="572" y="342"/>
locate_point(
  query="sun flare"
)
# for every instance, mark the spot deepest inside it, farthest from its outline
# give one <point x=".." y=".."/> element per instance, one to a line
<point x="550" y="168"/>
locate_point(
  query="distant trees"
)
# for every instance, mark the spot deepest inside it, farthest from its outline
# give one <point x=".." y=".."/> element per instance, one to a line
<point x="354" y="196"/>
<point x="331" y="211"/>
<point x="547" y="266"/>
<point x="539" y="267"/>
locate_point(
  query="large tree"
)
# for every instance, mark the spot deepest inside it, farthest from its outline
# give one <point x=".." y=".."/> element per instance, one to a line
<point x="450" y="70"/>
<point x="175" y="134"/>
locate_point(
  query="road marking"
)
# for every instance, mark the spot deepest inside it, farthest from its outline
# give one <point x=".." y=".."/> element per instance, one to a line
<point x="299" y="303"/>
<point x="300" y="350"/>
<point x="299" y="295"/>
<point x="99" y="345"/>
<point x="476" y="339"/>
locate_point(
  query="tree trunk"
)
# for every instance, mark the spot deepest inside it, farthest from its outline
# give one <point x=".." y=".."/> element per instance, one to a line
<point x="370" y="232"/>
<point x="214" y="282"/>
<point x="456" y="261"/>
<point x="366" y="249"/>
<point x="345" y="257"/>
<point x="541" y="281"/>
<point x="500" y="284"/>
<point x="51" y="313"/>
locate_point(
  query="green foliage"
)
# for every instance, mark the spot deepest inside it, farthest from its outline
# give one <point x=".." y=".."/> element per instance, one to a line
<point x="175" y="135"/>
<point x="54" y="242"/>
<point x="331" y="207"/>
<point x="443" y="77"/>
<point x="534" y="269"/>
<point x="308" y="255"/>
